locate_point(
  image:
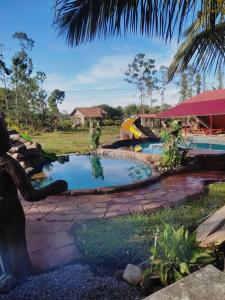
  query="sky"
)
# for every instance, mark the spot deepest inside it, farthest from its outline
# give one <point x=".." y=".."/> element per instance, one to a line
<point x="90" y="74"/>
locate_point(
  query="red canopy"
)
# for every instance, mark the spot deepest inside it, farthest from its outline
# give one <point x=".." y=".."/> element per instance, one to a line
<point x="204" y="104"/>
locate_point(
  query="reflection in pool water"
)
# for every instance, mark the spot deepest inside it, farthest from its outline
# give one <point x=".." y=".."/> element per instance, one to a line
<point x="84" y="172"/>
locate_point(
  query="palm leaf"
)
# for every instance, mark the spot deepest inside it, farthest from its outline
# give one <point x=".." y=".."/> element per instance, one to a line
<point x="203" y="51"/>
<point x="85" y="20"/>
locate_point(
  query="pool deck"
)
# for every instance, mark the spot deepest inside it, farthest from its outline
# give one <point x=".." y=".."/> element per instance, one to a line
<point x="50" y="221"/>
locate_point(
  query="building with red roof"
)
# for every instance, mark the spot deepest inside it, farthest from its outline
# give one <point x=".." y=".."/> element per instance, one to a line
<point x="81" y="115"/>
<point x="208" y="107"/>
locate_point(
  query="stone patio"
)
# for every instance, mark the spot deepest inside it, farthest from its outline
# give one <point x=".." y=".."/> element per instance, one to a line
<point x="49" y="222"/>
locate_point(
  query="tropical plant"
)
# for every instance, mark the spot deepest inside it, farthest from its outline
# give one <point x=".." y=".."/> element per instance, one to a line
<point x="204" y="44"/>
<point x="176" y="253"/>
<point x="83" y="21"/>
<point x="94" y="136"/>
<point x="174" y="147"/>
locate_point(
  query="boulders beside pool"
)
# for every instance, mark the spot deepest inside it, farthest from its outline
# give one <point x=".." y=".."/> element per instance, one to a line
<point x="26" y="152"/>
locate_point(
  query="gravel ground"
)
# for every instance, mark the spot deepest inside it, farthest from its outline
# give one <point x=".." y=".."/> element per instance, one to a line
<point x="75" y="282"/>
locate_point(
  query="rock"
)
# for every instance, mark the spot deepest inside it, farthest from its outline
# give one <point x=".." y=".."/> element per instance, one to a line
<point x="18" y="149"/>
<point x="33" y="146"/>
<point x="17" y="156"/>
<point x="132" y="274"/>
<point x="14" y="136"/>
<point x="7" y="282"/>
<point x="29" y="170"/>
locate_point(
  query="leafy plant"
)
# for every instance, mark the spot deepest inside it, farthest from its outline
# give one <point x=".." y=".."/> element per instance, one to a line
<point x="94" y="136"/>
<point x="176" y="253"/>
<point x="174" y="148"/>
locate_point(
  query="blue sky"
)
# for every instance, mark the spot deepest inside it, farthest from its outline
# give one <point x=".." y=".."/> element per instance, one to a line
<point x="99" y="65"/>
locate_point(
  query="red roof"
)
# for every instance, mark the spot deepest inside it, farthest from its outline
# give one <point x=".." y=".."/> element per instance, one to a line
<point x="90" y="112"/>
<point x="204" y="104"/>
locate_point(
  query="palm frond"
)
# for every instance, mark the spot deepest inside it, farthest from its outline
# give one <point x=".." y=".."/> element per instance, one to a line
<point x="203" y="51"/>
<point x="85" y="20"/>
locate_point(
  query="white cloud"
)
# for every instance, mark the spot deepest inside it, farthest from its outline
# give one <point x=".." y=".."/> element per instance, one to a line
<point x="108" y="74"/>
<point x="109" y="67"/>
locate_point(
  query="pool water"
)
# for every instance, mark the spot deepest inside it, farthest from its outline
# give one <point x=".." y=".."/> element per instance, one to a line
<point x="86" y="172"/>
<point x="214" y="147"/>
<point x="157" y="148"/>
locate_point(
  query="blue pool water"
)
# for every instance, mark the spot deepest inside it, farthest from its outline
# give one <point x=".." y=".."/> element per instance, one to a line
<point x="85" y="172"/>
<point x="156" y="148"/>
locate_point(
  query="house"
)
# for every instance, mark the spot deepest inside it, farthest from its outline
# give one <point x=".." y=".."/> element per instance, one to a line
<point x="208" y="108"/>
<point x="83" y="115"/>
<point x="149" y="120"/>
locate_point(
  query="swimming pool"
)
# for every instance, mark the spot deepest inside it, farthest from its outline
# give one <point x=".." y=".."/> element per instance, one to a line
<point x="92" y="171"/>
<point x="157" y="148"/>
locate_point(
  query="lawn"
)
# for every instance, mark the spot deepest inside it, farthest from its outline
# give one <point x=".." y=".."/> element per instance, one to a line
<point x="73" y="141"/>
<point x="115" y="242"/>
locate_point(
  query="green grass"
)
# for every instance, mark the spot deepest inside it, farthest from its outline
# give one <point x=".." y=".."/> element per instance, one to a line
<point x="73" y="141"/>
<point x="116" y="242"/>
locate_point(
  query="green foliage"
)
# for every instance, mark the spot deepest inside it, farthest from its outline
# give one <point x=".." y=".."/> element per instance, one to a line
<point x="54" y="99"/>
<point x="113" y="112"/>
<point x="94" y="136"/>
<point x="122" y="240"/>
<point x="174" y="149"/>
<point x="176" y="253"/>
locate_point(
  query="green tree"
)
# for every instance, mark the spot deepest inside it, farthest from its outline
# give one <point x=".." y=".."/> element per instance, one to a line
<point x="183" y="87"/>
<point x="131" y="109"/>
<point x="22" y="67"/>
<point x="142" y="73"/>
<point x="220" y="79"/>
<point x="163" y="82"/>
<point x="54" y="100"/>
<point x="198" y="83"/>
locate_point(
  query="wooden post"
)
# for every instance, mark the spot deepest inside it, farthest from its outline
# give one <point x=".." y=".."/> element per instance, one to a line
<point x="211" y="124"/>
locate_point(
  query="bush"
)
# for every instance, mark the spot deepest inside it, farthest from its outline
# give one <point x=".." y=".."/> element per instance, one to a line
<point x="174" y="150"/>
<point x="176" y="253"/>
<point x="109" y="122"/>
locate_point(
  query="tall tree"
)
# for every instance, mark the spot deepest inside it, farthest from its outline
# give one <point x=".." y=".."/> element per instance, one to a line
<point x="22" y="67"/>
<point x="142" y="73"/>
<point x="220" y="78"/>
<point x="54" y="99"/>
<point x="163" y="82"/>
<point x="198" y="83"/>
<point x="184" y="91"/>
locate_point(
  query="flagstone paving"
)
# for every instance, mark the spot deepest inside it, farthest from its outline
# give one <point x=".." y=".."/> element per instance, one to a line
<point x="50" y="221"/>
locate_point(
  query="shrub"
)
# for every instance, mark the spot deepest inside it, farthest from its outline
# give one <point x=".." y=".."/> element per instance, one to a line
<point x="174" y="149"/>
<point x="94" y="136"/>
<point x="176" y="253"/>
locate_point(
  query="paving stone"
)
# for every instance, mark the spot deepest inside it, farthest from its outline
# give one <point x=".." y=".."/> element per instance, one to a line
<point x="112" y="214"/>
<point x="58" y="217"/>
<point x="205" y="284"/>
<point x="99" y="210"/>
<point x="48" y="222"/>
<point x="62" y="239"/>
<point x="100" y="204"/>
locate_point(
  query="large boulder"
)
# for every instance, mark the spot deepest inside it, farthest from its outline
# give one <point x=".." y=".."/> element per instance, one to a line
<point x="132" y="274"/>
